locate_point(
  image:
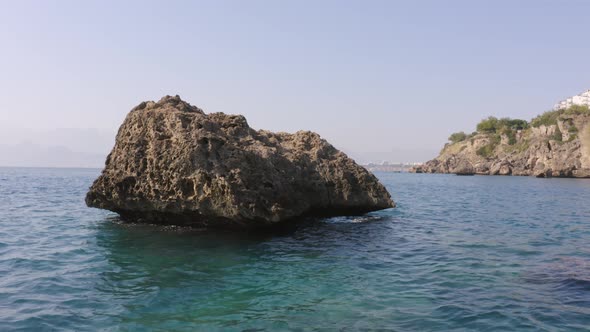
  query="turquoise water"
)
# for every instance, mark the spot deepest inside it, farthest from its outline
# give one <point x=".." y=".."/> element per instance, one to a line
<point x="459" y="253"/>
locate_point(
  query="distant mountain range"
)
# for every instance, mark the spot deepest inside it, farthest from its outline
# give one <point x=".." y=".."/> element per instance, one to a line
<point x="405" y="156"/>
<point x="33" y="155"/>
<point x="61" y="147"/>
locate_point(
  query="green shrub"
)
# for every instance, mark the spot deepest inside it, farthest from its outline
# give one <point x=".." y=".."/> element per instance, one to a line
<point x="557" y="136"/>
<point x="572" y="129"/>
<point x="550" y="118"/>
<point x="495" y="139"/>
<point x="458" y="137"/>
<point x="513" y="124"/>
<point x="488" y="125"/>
<point x="495" y="125"/>
<point x="511" y="134"/>
<point x="572" y="137"/>
<point x="486" y="151"/>
<point x="546" y="119"/>
<point x="577" y="109"/>
<point x="519" y="147"/>
<point x="511" y="138"/>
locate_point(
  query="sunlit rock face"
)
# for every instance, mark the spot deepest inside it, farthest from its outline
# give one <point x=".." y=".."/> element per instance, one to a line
<point x="557" y="150"/>
<point x="174" y="164"/>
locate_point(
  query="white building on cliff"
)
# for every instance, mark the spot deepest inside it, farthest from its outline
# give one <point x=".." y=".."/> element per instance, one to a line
<point x="581" y="99"/>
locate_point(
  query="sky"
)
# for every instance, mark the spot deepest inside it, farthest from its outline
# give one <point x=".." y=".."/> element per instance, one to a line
<point x="381" y="80"/>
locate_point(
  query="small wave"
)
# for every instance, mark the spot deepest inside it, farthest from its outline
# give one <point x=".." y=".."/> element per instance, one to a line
<point x="575" y="284"/>
<point x="565" y="274"/>
<point x="355" y="219"/>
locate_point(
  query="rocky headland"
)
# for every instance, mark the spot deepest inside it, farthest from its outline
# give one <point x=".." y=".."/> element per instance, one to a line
<point x="174" y="164"/>
<point x="554" y="144"/>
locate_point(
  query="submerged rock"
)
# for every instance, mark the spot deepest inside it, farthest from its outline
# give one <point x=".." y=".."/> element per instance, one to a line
<point x="174" y="164"/>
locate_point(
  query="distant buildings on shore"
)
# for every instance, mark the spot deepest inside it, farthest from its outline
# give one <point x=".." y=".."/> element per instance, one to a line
<point x="581" y="99"/>
<point x="386" y="166"/>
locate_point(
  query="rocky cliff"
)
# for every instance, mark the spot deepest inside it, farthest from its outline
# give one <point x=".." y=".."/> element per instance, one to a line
<point x="174" y="164"/>
<point x="555" y="144"/>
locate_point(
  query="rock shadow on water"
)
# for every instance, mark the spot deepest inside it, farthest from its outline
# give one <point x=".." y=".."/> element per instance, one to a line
<point x="154" y="248"/>
<point x="151" y="271"/>
<point x="143" y="260"/>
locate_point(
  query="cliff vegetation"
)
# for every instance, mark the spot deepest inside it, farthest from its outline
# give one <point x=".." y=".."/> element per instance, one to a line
<point x="555" y="143"/>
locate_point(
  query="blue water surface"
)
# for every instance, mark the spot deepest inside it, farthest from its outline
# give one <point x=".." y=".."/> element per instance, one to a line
<point x="457" y="254"/>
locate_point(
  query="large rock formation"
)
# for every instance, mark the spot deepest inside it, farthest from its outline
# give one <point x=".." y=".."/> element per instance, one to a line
<point x="560" y="148"/>
<point x="174" y="164"/>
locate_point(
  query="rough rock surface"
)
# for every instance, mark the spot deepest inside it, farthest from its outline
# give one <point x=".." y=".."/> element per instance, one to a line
<point x="561" y="150"/>
<point x="174" y="164"/>
<point x="463" y="167"/>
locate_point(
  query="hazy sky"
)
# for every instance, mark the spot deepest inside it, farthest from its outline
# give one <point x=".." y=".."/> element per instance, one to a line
<point x="378" y="79"/>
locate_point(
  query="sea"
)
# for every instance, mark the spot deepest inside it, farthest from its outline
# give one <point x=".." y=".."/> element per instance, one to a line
<point x="476" y="253"/>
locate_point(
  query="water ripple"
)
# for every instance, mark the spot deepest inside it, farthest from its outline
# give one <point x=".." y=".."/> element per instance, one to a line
<point x="459" y="253"/>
